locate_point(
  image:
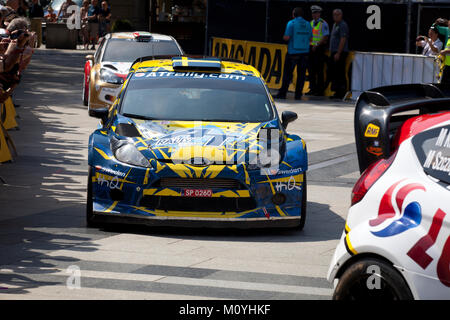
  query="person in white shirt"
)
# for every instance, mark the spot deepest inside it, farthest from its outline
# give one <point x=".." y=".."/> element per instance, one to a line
<point x="431" y="45"/>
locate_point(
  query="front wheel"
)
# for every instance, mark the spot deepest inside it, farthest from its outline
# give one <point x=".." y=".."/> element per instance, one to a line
<point x="374" y="279"/>
<point x="90" y="203"/>
<point x="303" y="205"/>
<point x="85" y="91"/>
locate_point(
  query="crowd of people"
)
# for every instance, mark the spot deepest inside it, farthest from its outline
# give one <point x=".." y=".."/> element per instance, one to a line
<point x="307" y="46"/>
<point x="16" y="48"/>
<point x="95" y="16"/>
<point x="95" y="19"/>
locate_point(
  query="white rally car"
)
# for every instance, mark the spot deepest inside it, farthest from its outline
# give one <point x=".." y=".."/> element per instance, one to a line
<point x="396" y="242"/>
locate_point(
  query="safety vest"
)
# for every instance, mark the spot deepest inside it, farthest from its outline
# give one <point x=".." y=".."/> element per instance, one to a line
<point x="447" y="56"/>
<point x="317" y="32"/>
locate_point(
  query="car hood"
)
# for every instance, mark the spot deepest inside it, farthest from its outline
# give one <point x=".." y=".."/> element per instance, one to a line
<point x="210" y="142"/>
<point x="117" y="67"/>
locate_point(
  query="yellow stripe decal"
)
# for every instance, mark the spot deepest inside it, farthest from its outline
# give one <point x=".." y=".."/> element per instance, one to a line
<point x="112" y="206"/>
<point x="349" y="245"/>
<point x="103" y="154"/>
<point x="280" y="211"/>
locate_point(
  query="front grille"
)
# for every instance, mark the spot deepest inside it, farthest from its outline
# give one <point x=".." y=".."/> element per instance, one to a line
<point x="220" y="204"/>
<point x="198" y="183"/>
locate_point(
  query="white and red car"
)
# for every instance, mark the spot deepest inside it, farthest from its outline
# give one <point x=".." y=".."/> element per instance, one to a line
<point x="396" y="242"/>
<point x="107" y="69"/>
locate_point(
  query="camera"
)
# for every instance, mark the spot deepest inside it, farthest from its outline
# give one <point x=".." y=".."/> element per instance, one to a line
<point x="17" y="34"/>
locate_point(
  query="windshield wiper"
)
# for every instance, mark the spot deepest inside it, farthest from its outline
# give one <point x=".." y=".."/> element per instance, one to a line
<point x="136" y="116"/>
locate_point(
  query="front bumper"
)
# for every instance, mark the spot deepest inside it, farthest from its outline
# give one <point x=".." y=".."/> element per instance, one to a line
<point x="192" y="222"/>
<point x="121" y="195"/>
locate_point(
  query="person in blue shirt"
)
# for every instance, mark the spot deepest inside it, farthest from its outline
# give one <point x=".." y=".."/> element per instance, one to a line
<point x="298" y="34"/>
<point x="92" y="18"/>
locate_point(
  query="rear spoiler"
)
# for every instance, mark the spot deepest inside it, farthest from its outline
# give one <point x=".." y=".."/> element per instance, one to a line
<point x="377" y="116"/>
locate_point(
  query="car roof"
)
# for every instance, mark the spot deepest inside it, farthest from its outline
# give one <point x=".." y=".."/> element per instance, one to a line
<point x="133" y="34"/>
<point x="168" y="64"/>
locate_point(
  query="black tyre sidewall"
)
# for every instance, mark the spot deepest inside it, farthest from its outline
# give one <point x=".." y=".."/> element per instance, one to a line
<point x="303" y="207"/>
<point x="358" y="270"/>
<point x="89" y="201"/>
<point x="85" y="93"/>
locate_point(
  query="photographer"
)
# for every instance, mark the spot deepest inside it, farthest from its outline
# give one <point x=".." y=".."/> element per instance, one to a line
<point x="431" y="45"/>
<point x="15" y="54"/>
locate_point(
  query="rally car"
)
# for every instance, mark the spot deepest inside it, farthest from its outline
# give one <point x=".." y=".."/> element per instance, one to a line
<point x="396" y="242"/>
<point x="105" y="72"/>
<point x="196" y="142"/>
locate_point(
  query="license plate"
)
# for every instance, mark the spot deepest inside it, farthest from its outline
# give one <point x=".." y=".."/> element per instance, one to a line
<point x="197" y="193"/>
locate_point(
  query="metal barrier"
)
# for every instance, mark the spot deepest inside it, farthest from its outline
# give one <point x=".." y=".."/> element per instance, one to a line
<point x="371" y="70"/>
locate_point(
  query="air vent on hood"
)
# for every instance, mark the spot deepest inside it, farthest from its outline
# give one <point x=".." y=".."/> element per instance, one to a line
<point x="127" y="130"/>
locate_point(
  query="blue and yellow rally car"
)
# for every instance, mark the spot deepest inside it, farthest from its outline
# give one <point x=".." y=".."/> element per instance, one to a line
<point x="195" y="142"/>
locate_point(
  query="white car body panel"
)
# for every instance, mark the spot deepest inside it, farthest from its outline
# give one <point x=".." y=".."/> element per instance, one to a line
<point x="359" y="235"/>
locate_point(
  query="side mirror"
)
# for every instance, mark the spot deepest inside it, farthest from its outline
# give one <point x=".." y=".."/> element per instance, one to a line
<point x="90" y="57"/>
<point x="288" y="117"/>
<point x="100" y="113"/>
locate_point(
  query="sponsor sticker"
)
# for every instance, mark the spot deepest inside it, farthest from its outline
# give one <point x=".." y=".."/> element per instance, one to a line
<point x="377" y="151"/>
<point x="372" y="131"/>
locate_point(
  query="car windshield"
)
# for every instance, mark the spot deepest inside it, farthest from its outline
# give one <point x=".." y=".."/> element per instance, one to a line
<point x="196" y="96"/>
<point x="126" y="50"/>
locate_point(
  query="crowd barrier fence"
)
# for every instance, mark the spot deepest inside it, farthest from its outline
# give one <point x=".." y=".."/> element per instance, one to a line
<point x="376" y="69"/>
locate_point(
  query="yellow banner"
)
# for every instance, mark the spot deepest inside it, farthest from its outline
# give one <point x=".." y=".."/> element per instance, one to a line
<point x="268" y="58"/>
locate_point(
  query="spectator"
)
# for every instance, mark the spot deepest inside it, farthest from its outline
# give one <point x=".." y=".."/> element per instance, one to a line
<point x="5" y="12"/>
<point x="319" y="40"/>
<point x="9" y="17"/>
<point x="22" y="9"/>
<point x="84" y="12"/>
<point x="339" y="51"/>
<point x="431" y="45"/>
<point x="442" y="27"/>
<point x="92" y="18"/>
<point x="64" y="11"/>
<point x="104" y="18"/>
<point x="36" y="10"/>
<point x="50" y="16"/>
<point x="298" y="35"/>
<point x="446" y="72"/>
<point x="11" y="55"/>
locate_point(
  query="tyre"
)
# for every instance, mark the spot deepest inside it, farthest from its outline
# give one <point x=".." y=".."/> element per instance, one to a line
<point x="355" y="284"/>
<point x="304" y="202"/>
<point x="90" y="203"/>
<point x="85" y="92"/>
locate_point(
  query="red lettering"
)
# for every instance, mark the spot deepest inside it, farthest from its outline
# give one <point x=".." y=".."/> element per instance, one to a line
<point x="418" y="251"/>
<point x="443" y="267"/>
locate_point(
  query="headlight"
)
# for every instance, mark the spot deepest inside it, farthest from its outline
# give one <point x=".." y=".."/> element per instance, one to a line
<point x="106" y="75"/>
<point x="126" y="152"/>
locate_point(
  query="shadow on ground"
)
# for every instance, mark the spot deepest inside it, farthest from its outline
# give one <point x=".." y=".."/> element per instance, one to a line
<point x="42" y="203"/>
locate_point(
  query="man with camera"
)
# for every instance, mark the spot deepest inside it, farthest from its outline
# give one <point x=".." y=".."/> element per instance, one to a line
<point x="15" y="54"/>
<point x="431" y="45"/>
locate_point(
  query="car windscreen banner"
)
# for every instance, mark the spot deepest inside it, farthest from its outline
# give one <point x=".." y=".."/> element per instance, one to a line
<point x="433" y="150"/>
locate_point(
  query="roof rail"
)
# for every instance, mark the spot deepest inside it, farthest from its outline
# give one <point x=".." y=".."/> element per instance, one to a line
<point x="377" y="115"/>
